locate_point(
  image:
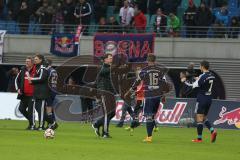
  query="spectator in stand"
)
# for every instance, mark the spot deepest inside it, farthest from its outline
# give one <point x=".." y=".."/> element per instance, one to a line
<point x="154" y="5"/>
<point x="1" y="9"/>
<point x="113" y="25"/>
<point x="68" y="15"/>
<point x="223" y="15"/>
<point x="160" y="23"/>
<point x="219" y="29"/>
<point x="170" y="6"/>
<point x="142" y="4"/>
<point x="215" y="3"/>
<point x="24" y="17"/>
<point x="100" y="8"/>
<point x="126" y="16"/>
<point x="12" y="74"/>
<point x="173" y="25"/>
<point x="234" y="28"/>
<point x="189" y="19"/>
<point x="25" y="92"/>
<point x="203" y="20"/>
<point x="82" y="14"/>
<point x="102" y="27"/>
<point x="13" y="6"/>
<point x="140" y="20"/>
<point x="45" y="14"/>
<point x="58" y="18"/>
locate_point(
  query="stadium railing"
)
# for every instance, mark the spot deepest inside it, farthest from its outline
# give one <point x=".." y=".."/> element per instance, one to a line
<point x="164" y="31"/>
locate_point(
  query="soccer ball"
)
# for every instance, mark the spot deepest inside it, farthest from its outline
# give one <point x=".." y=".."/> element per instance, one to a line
<point x="49" y="133"/>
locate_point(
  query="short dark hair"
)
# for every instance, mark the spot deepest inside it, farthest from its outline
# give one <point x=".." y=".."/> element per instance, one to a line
<point x="49" y="61"/>
<point x="205" y="64"/>
<point x="151" y="58"/>
<point x="29" y="57"/>
<point x="105" y="56"/>
<point x="40" y="56"/>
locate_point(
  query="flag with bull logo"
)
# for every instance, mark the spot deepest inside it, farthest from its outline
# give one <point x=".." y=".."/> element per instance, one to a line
<point x="64" y="45"/>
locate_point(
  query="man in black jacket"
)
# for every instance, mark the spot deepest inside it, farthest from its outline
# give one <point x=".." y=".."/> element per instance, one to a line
<point x="104" y="83"/>
<point x="82" y="14"/>
<point x="25" y="92"/>
<point x="41" y="89"/>
<point x="189" y="19"/>
<point x="203" y="20"/>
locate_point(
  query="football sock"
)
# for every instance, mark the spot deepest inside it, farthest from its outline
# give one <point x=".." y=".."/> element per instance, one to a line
<point x="150" y="126"/>
<point x="199" y="130"/>
<point x="209" y="126"/>
<point x="50" y="118"/>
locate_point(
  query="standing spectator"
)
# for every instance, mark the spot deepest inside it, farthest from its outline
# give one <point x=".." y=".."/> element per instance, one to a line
<point x="25" y="92"/>
<point x="223" y="15"/>
<point x="126" y="16"/>
<point x="13" y="6"/>
<point x="68" y="15"/>
<point x="41" y="90"/>
<point x="24" y="17"/>
<point x="142" y="5"/>
<point x="173" y="25"/>
<point x="12" y="74"/>
<point x="113" y="25"/>
<point x="189" y="19"/>
<point x="234" y="28"/>
<point x="203" y="20"/>
<point x="160" y="23"/>
<point x="102" y="27"/>
<point x="140" y="20"/>
<point x="45" y="13"/>
<point x="100" y="8"/>
<point x="170" y="6"/>
<point x="153" y="6"/>
<point x="58" y="19"/>
<point x="82" y="14"/>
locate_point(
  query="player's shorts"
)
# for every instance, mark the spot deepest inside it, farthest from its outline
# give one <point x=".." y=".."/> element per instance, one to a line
<point x="49" y="101"/>
<point x="150" y="106"/>
<point x="203" y="105"/>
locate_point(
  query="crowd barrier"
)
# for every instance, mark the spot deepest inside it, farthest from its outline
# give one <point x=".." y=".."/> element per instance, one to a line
<point x="223" y="113"/>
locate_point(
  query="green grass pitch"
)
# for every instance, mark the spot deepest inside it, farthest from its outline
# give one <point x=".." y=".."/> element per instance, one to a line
<point x="78" y="141"/>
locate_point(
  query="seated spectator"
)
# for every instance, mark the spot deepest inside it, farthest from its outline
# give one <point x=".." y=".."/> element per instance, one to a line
<point x="189" y="19"/>
<point x="58" y="18"/>
<point x="140" y="20"/>
<point x="45" y="13"/>
<point x="126" y="16"/>
<point x="102" y="27"/>
<point x="100" y="8"/>
<point x="234" y="28"/>
<point x="68" y="15"/>
<point x="173" y="25"/>
<point x="160" y="23"/>
<point x="219" y="29"/>
<point x="203" y="20"/>
<point x="223" y="15"/>
<point x="23" y="17"/>
<point x="113" y="25"/>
